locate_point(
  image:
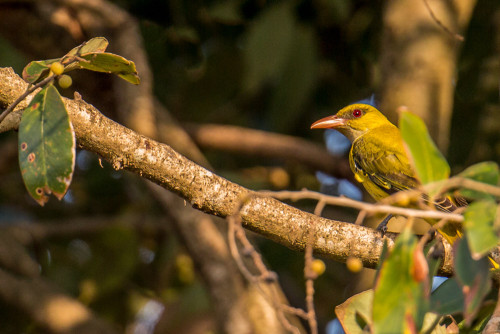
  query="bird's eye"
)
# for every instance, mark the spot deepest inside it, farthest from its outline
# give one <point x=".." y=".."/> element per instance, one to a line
<point x="357" y="113"/>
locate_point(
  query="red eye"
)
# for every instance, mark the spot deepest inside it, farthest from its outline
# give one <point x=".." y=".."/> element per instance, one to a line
<point x="357" y="113"/>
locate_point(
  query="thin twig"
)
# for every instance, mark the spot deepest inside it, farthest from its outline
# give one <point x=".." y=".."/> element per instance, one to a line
<point x="457" y="36"/>
<point x="294" y="310"/>
<point x="361" y="217"/>
<point x="232" y="221"/>
<point x="235" y="230"/>
<point x="461" y="182"/>
<point x="368" y="207"/>
<point x="28" y="91"/>
<point x="318" y="210"/>
<point x="310" y="276"/>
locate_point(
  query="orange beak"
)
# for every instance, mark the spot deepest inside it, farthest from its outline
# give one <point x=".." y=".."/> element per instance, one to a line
<point x="328" y="122"/>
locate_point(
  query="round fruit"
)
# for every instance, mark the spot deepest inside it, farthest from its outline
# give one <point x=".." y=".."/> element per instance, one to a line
<point x="318" y="267"/>
<point x="57" y="68"/>
<point x="65" y="81"/>
<point x="354" y="264"/>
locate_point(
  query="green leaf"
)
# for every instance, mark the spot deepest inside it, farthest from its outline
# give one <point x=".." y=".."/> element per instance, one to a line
<point x="485" y="172"/>
<point x="473" y="277"/>
<point x="94" y="45"/>
<point x="399" y="300"/>
<point x="447" y="298"/>
<point x="429" y="163"/>
<point x="355" y="313"/>
<point x="268" y="45"/>
<point x="46" y="146"/>
<point x="479" y="218"/>
<point x="110" y="63"/>
<point x="37" y="69"/>
<point x="116" y="261"/>
<point x="297" y="80"/>
<point x="480" y="320"/>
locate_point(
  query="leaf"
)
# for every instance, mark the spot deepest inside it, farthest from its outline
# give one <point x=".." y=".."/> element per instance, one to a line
<point x="116" y="260"/>
<point x="429" y="163"/>
<point x="37" y="69"/>
<point x="479" y="218"/>
<point x="399" y="301"/>
<point x="94" y="45"/>
<point x="447" y="298"/>
<point x="92" y="57"/>
<point x="480" y="320"/>
<point x="46" y="146"/>
<point x="268" y="45"/>
<point x="354" y="309"/>
<point x="110" y="63"/>
<point x="429" y="324"/>
<point x="485" y="172"/>
<point x="297" y="80"/>
<point x="473" y="277"/>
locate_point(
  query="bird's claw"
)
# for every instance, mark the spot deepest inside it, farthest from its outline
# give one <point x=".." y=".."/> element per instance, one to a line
<point x="382" y="227"/>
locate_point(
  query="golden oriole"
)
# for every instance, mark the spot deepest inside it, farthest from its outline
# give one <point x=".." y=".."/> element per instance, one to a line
<point x="378" y="158"/>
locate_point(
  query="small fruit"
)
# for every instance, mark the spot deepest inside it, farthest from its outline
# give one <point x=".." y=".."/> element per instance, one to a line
<point x="318" y="267"/>
<point x="57" y="68"/>
<point x="65" y="81"/>
<point x="279" y="178"/>
<point x="354" y="264"/>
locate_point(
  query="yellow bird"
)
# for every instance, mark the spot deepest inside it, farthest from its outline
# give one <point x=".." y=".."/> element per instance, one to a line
<point x="378" y="158"/>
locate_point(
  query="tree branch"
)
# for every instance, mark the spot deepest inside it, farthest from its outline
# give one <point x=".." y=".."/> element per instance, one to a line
<point x="206" y="191"/>
<point x="270" y="145"/>
<point x="418" y="60"/>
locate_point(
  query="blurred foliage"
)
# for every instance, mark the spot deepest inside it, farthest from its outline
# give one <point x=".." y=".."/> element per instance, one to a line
<point x="272" y="65"/>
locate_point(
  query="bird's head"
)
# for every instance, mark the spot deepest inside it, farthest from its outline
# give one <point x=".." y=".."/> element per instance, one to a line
<point x="353" y="121"/>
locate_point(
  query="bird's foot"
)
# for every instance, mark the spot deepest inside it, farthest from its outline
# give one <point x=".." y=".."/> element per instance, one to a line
<point x="382" y="227"/>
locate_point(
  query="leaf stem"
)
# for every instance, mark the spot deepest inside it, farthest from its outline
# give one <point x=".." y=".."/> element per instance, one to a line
<point x="28" y="91"/>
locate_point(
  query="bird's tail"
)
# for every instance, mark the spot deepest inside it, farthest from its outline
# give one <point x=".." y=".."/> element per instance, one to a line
<point x="452" y="230"/>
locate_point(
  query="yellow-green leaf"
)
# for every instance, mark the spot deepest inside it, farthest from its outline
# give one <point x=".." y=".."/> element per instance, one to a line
<point x="399" y="301"/>
<point x="479" y="218"/>
<point x="429" y="163"/>
<point x="110" y="63"/>
<point x="355" y="313"/>
<point x="485" y="172"/>
<point x="94" y="45"/>
<point x="35" y="70"/>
